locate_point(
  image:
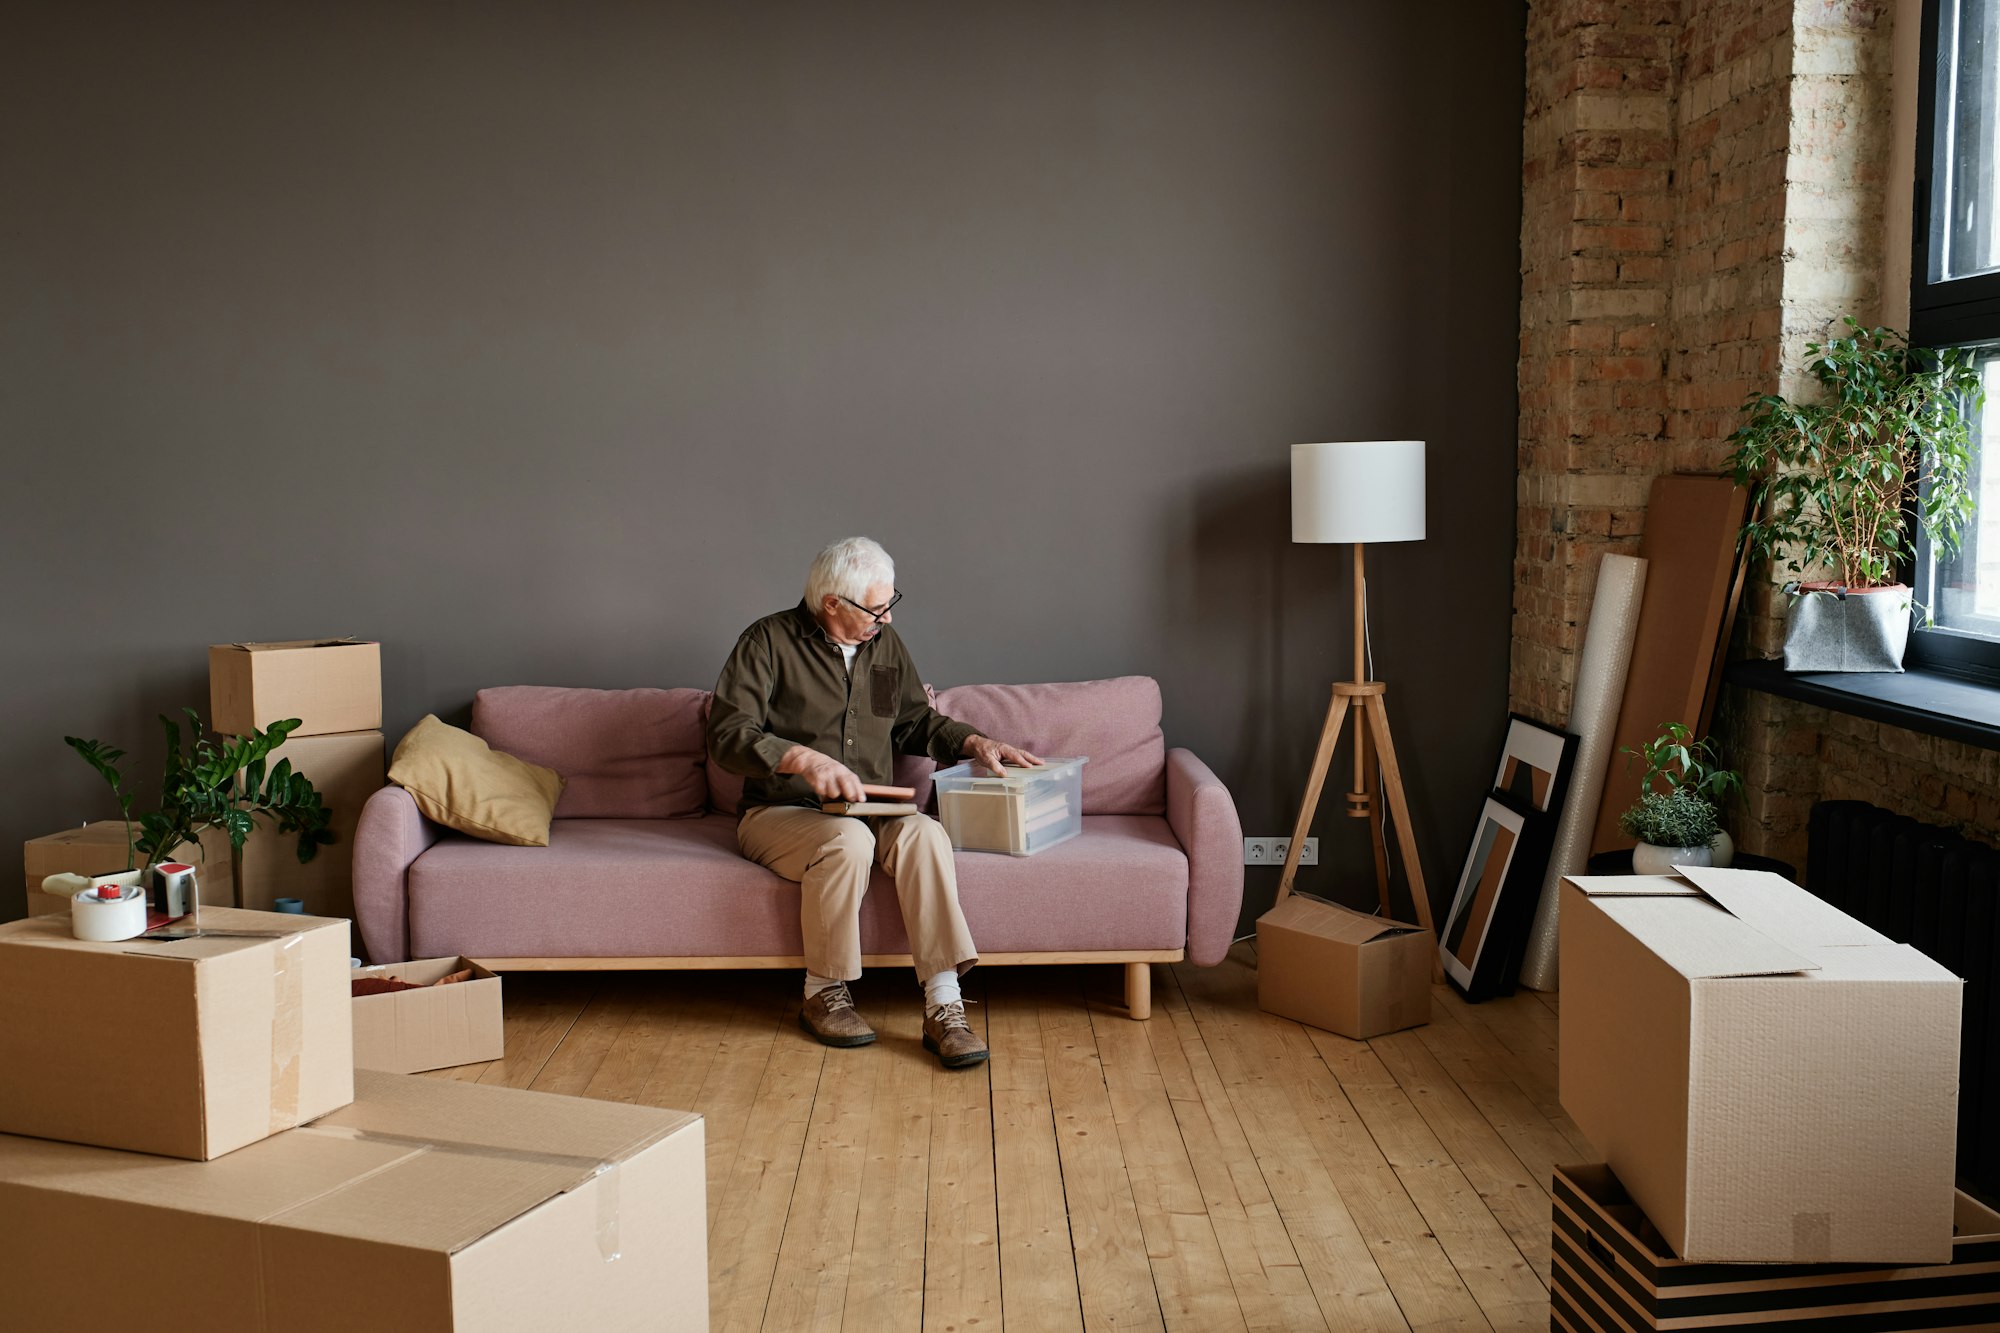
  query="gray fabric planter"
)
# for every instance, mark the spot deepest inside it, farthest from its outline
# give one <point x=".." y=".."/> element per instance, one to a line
<point x="1832" y="629"/>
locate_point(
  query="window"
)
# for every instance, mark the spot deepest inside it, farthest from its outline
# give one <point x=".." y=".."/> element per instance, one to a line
<point x="1955" y="301"/>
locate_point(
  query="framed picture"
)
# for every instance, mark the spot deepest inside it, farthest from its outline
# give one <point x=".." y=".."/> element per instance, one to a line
<point x="1534" y="764"/>
<point x="1494" y="902"/>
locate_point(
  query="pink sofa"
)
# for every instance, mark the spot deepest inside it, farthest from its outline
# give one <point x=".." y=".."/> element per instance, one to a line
<point x="642" y="870"/>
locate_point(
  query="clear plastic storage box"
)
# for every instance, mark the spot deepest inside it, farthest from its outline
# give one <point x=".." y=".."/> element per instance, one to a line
<point x="1019" y="812"/>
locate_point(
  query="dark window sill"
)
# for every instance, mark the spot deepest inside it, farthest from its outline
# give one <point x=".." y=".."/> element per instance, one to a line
<point x="1920" y="699"/>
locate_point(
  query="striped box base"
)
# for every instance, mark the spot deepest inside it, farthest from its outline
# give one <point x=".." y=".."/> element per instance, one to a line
<point x="1612" y="1272"/>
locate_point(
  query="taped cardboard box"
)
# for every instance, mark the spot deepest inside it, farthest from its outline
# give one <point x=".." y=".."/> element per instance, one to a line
<point x="433" y="1027"/>
<point x="428" y="1205"/>
<point x="189" y="1048"/>
<point x="330" y="685"/>
<point x="1360" y="976"/>
<point x="101" y="849"/>
<point x="346" y="770"/>
<point x="1773" y="1081"/>
<point x="1613" y="1270"/>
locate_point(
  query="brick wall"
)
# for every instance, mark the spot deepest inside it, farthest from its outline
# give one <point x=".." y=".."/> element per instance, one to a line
<point x="1703" y="195"/>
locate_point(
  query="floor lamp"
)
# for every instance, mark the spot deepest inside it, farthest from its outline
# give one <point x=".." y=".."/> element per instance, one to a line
<point x="1360" y="492"/>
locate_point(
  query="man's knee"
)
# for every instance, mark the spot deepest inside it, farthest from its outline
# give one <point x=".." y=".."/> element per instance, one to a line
<point x="848" y="846"/>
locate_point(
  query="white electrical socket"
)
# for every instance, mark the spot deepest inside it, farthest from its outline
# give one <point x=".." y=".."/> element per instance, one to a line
<point x="1271" y="851"/>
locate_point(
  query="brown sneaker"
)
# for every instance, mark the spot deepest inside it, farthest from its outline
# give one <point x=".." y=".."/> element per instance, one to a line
<point x="830" y="1016"/>
<point x="948" y="1034"/>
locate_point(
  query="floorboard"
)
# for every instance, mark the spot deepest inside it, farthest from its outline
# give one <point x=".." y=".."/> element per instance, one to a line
<point x="1213" y="1168"/>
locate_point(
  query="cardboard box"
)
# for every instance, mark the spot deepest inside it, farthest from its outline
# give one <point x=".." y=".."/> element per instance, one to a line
<point x="346" y="770"/>
<point x="1337" y="969"/>
<point x="1612" y="1269"/>
<point x="330" y="685"/>
<point x="189" y="1048"/>
<point x="407" y="1032"/>
<point x="428" y="1205"/>
<point x="100" y="849"/>
<point x="1773" y="1081"/>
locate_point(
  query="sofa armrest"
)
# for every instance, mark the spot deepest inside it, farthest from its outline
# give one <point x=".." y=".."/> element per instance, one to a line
<point x="391" y="835"/>
<point x="1202" y="816"/>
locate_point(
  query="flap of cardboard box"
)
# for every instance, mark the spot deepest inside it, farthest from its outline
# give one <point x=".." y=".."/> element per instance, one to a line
<point x="279" y="645"/>
<point x="1780" y="908"/>
<point x="1331" y="921"/>
<point x="1701" y="940"/>
<point x="1634" y="886"/>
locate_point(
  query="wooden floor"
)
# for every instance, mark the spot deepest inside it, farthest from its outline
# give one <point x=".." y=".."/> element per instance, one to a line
<point x="1213" y="1168"/>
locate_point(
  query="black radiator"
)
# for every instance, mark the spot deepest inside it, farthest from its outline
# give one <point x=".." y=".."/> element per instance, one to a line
<point x="1931" y="888"/>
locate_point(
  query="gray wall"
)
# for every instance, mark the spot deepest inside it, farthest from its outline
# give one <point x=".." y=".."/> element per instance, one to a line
<point x="545" y="343"/>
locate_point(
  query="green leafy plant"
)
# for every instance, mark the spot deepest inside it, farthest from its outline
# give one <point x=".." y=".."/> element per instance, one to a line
<point x="1676" y="761"/>
<point x="1833" y="479"/>
<point x="227" y="785"/>
<point x="1679" y="818"/>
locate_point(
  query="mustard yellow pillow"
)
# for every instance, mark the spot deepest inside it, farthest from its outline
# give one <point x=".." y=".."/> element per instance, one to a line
<point x="462" y="783"/>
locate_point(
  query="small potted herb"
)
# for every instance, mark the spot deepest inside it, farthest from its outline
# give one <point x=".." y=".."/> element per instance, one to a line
<point x="1675" y="819"/>
<point x="1837" y="480"/>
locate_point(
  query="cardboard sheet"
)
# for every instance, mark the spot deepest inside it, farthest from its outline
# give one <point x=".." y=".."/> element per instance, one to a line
<point x="1689" y="546"/>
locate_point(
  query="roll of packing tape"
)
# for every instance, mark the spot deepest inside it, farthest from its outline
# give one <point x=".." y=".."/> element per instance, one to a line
<point x="121" y="916"/>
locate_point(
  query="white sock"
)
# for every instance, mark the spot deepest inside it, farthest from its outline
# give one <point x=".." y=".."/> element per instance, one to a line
<point x="815" y="984"/>
<point x="941" y="990"/>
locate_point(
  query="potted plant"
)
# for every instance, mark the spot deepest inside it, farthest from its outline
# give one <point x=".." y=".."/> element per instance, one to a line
<point x="1675" y="819"/>
<point x="208" y="785"/>
<point x="1837" y="480"/>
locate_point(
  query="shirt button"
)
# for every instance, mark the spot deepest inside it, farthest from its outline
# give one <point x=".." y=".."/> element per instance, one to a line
<point x="850" y="740"/>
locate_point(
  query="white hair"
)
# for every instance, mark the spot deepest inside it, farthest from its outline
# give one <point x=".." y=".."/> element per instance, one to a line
<point x="848" y="568"/>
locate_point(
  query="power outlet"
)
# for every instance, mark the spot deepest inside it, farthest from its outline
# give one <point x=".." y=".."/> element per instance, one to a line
<point x="1271" y="851"/>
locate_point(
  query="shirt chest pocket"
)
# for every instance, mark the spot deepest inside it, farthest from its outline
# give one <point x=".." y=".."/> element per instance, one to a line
<point x="885" y="688"/>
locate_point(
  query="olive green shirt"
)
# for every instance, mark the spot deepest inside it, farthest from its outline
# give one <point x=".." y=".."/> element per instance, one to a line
<point x="787" y="684"/>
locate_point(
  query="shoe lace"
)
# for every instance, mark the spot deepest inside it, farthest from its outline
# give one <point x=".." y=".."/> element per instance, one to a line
<point x="836" y="998"/>
<point x="952" y="1017"/>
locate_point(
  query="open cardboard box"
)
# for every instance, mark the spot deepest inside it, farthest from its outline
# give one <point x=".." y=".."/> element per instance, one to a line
<point x="426" y="1206"/>
<point x="435" y="1027"/>
<point x="330" y="685"/>
<point x="1773" y="1081"/>
<point x="1342" y="970"/>
<point x="189" y="1048"/>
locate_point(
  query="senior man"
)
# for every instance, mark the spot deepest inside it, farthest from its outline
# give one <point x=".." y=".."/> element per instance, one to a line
<point x="812" y="703"/>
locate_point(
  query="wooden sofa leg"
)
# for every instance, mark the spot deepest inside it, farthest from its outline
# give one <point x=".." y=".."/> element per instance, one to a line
<point x="1139" y="990"/>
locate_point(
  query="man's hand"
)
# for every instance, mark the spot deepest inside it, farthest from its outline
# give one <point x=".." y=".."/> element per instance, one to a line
<point x="830" y="779"/>
<point x="993" y="754"/>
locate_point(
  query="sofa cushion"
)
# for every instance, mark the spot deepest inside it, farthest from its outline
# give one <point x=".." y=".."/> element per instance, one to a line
<point x="680" y="888"/>
<point x="457" y="780"/>
<point x="626" y="754"/>
<point x="1115" y="723"/>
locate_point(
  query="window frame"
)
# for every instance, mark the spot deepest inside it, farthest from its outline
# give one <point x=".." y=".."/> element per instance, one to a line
<point x="1947" y="313"/>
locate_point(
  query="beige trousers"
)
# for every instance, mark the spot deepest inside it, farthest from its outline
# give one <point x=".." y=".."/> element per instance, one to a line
<point x="829" y="856"/>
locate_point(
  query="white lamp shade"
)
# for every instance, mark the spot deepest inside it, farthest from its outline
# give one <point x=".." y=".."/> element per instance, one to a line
<point x="1364" y="491"/>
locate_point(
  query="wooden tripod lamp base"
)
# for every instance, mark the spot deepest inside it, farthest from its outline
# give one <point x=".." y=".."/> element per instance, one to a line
<point x="1360" y="492"/>
<point x="1378" y="776"/>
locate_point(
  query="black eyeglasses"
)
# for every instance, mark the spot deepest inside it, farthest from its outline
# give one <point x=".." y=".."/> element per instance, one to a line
<point x="873" y="615"/>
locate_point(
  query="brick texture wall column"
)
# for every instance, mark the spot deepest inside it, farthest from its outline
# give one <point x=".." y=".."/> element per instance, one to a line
<point x="1703" y="195"/>
<point x="1596" y="214"/>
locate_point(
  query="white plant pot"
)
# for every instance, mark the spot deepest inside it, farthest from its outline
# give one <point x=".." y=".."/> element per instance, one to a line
<point x="1830" y="628"/>
<point x="1722" y="849"/>
<point x="1650" y="860"/>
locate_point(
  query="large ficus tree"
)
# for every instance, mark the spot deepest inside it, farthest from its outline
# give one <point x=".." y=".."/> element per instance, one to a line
<point x="1837" y="478"/>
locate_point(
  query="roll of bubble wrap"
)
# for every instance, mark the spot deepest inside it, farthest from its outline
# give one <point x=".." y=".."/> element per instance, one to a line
<point x="1593" y="717"/>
